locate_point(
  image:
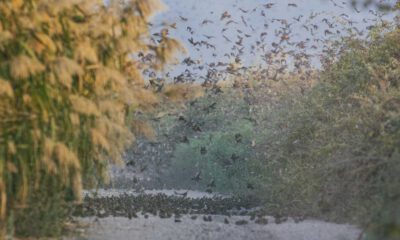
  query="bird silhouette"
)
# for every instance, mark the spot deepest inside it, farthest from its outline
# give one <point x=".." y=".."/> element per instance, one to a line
<point x="206" y="21"/>
<point x="225" y="15"/>
<point x="203" y="150"/>
<point x="269" y="5"/>
<point x="197" y="176"/>
<point x="211" y="184"/>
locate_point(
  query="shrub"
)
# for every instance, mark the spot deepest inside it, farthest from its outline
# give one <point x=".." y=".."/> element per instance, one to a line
<point x="338" y="152"/>
<point x="217" y="155"/>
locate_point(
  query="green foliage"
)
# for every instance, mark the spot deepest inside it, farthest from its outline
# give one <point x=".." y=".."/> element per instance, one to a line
<point x="224" y="159"/>
<point x="337" y="155"/>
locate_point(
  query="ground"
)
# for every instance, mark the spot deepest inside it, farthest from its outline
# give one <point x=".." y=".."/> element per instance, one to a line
<point x="220" y="227"/>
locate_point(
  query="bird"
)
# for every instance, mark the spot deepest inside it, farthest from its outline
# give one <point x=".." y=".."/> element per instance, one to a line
<point x="210" y="107"/>
<point x="241" y="222"/>
<point x="355" y="8"/>
<point x="250" y="186"/>
<point x="234" y="157"/>
<point x="143" y="168"/>
<point x="298" y="18"/>
<point x="225" y="15"/>
<point x="183" y="18"/>
<point x="226" y="38"/>
<point x="243" y="11"/>
<point x="185" y="139"/>
<point x="203" y="150"/>
<point x="208" y="36"/>
<point x="193" y="42"/>
<point x="206" y="21"/>
<point x="327" y="32"/>
<point x="261" y="220"/>
<point x="197" y="176"/>
<point x="238" y="138"/>
<point x="190" y="30"/>
<point x="231" y="21"/>
<point x="269" y="5"/>
<point x="335" y="4"/>
<point x="173" y="25"/>
<point x="211" y="184"/>
<point x="184" y="194"/>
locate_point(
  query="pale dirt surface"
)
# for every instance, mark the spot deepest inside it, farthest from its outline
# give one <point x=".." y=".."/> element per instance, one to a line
<point x="155" y="228"/>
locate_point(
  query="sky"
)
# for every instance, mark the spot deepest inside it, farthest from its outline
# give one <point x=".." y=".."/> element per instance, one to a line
<point x="253" y="21"/>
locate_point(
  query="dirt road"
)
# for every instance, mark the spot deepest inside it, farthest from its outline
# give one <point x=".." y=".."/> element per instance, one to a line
<point x="218" y="227"/>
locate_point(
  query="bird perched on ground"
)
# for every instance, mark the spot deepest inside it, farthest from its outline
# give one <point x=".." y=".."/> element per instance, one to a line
<point x="241" y="222"/>
<point x="184" y="194"/>
<point x="261" y="220"/>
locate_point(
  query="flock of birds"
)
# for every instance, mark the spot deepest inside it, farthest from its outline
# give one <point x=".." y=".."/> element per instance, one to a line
<point x="296" y="45"/>
<point x="164" y="206"/>
<point x="293" y="44"/>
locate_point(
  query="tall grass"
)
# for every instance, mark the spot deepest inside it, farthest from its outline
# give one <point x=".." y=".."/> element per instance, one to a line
<point x="68" y="80"/>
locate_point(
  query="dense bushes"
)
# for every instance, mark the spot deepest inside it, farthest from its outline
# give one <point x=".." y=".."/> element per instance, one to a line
<point x="328" y="148"/>
<point x="68" y="80"/>
<point x="338" y="154"/>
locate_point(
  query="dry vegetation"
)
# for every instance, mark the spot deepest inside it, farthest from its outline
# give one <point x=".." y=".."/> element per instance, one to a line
<point x="67" y="85"/>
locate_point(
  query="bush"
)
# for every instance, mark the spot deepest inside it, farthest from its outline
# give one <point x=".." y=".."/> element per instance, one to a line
<point x="219" y="156"/>
<point x="337" y="155"/>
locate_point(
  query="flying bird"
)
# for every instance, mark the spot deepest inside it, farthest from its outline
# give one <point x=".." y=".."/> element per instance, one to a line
<point x="197" y="176"/>
<point x="206" y="21"/>
<point x="225" y="15"/>
<point x="269" y="5"/>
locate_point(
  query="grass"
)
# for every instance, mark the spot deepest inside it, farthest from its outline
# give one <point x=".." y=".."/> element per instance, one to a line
<point x="67" y="89"/>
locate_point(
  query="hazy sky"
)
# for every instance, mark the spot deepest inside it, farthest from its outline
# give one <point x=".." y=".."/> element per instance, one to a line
<point x="254" y="19"/>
